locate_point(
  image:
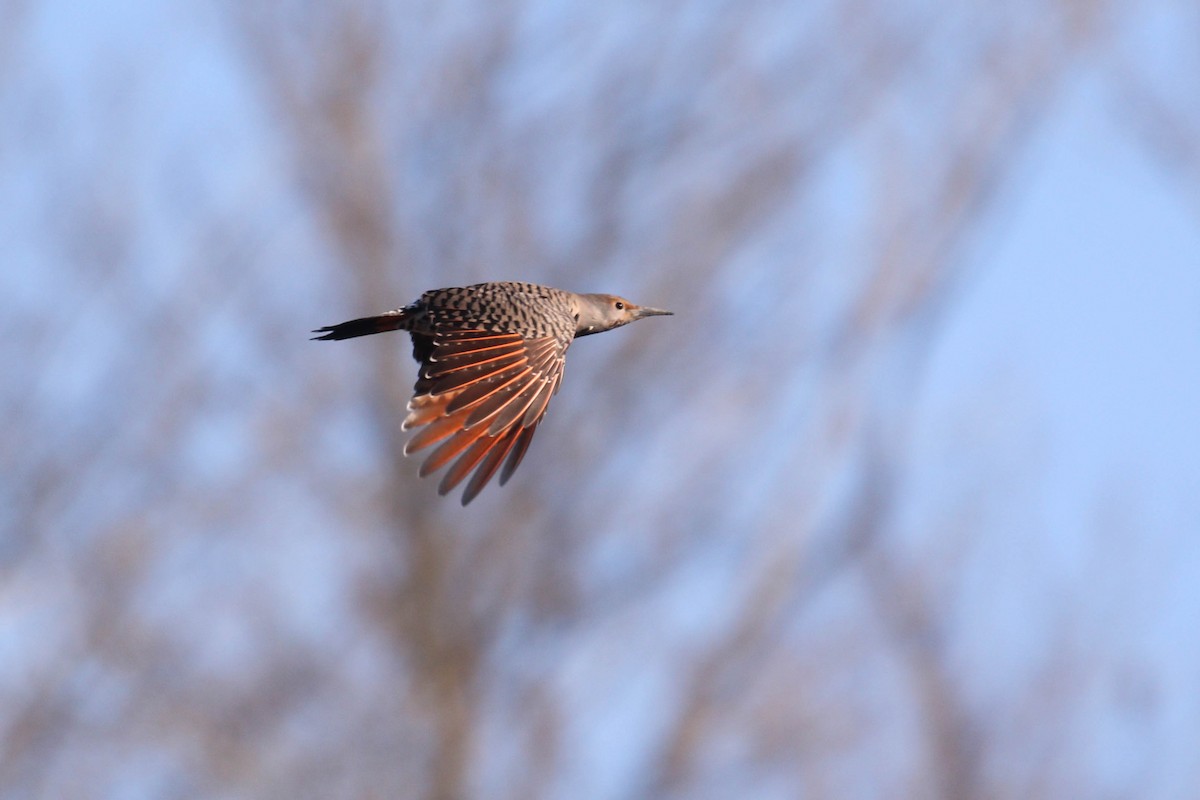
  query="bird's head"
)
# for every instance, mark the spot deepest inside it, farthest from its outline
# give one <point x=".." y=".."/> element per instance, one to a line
<point x="603" y="312"/>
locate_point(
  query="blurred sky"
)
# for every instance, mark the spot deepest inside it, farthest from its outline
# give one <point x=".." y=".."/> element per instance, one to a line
<point x="1069" y="362"/>
<point x="1082" y="331"/>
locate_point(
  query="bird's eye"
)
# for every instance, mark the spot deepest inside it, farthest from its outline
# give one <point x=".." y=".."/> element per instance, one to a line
<point x="620" y="306"/>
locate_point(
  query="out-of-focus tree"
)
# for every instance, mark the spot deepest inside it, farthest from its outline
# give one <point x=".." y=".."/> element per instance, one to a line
<point x="222" y="576"/>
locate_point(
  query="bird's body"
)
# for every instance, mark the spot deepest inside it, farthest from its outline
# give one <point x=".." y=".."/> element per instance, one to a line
<point x="491" y="357"/>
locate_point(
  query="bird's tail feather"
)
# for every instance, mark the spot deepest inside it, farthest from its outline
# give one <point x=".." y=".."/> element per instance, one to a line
<point x="363" y="326"/>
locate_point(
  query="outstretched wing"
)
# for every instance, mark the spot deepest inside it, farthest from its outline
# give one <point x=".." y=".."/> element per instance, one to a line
<point x="480" y="397"/>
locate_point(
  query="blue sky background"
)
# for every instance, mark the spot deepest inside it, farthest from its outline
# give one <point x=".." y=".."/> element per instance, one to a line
<point x="804" y="538"/>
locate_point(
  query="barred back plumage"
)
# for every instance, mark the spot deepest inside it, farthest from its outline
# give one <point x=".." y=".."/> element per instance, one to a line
<point x="501" y="307"/>
<point x="491" y="356"/>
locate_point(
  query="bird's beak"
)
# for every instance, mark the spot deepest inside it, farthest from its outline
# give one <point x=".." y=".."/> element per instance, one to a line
<point x="652" y="312"/>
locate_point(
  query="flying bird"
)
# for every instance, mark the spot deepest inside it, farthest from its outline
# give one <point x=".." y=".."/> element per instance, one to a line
<point x="491" y="357"/>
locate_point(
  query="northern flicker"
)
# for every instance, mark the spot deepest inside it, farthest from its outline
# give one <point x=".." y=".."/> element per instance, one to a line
<point x="491" y="358"/>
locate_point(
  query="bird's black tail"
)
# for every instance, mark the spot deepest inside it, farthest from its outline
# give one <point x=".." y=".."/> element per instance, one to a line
<point x="363" y="326"/>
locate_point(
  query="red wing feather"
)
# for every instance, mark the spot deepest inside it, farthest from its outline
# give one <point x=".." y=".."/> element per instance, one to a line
<point x="518" y="453"/>
<point x="488" y="467"/>
<point x="479" y="398"/>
